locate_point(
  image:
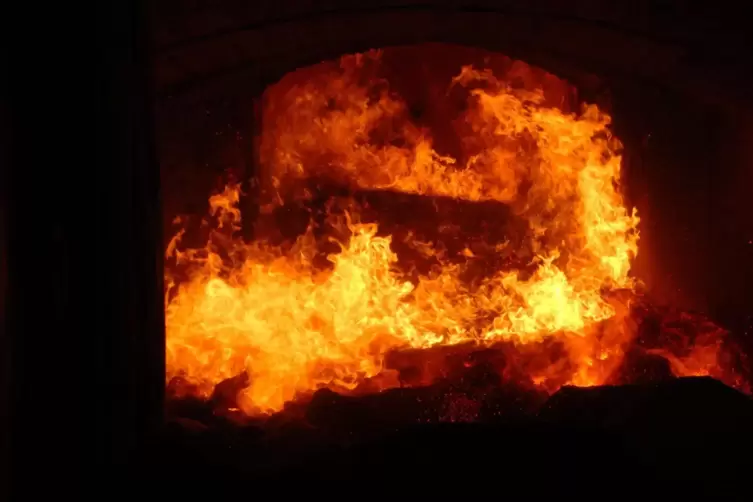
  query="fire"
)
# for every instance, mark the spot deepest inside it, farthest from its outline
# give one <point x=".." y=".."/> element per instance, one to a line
<point x="294" y="322"/>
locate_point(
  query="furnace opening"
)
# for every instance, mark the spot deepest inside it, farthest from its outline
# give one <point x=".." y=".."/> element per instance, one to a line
<point x="421" y="216"/>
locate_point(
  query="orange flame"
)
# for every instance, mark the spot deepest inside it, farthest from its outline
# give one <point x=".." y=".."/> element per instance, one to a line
<point x="293" y="325"/>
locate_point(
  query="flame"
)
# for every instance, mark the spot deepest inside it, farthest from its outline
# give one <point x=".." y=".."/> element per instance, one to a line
<point x="293" y="325"/>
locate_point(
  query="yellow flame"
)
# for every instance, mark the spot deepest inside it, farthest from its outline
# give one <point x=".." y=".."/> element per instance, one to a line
<point x="294" y="327"/>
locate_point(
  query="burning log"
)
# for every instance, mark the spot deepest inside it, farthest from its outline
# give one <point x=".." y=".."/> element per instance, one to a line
<point x="487" y="229"/>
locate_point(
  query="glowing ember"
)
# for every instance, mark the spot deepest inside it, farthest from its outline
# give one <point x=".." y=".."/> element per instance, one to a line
<point x="554" y="285"/>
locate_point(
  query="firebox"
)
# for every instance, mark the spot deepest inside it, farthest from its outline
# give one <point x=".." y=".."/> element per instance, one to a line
<point x="432" y="233"/>
<point x="415" y="207"/>
<point x="436" y="245"/>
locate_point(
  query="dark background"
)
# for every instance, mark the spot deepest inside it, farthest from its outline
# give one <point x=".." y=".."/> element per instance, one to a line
<point x="82" y="221"/>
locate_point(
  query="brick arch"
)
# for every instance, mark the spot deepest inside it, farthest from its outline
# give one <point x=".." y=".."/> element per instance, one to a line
<point x="567" y="44"/>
